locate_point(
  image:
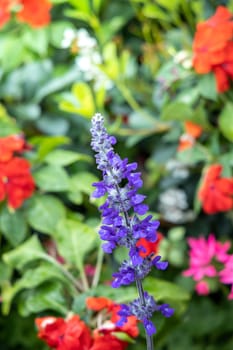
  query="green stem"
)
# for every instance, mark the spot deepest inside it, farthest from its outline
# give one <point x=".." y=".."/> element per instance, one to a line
<point x="98" y="267"/>
<point x="84" y="279"/>
<point x="65" y="272"/>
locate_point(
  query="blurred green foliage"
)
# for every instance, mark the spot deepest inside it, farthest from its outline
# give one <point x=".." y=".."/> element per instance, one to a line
<point x="131" y="61"/>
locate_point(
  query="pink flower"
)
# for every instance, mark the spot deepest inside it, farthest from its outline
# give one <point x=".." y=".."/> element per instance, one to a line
<point x="226" y="275"/>
<point x="203" y="255"/>
<point x="202" y="288"/>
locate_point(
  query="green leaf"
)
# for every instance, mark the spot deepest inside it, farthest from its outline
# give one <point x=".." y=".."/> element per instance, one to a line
<point x="124" y="337"/>
<point x="47" y="297"/>
<point x="9" y="46"/>
<point x="13" y="226"/>
<point x="177" y="111"/>
<point x="56" y="32"/>
<point x="81" y="102"/>
<point x="194" y="155"/>
<point x="25" y="253"/>
<point x="46" y="144"/>
<point x="225" y="121"/>
<point x="31" y="279"/>
<point x="207" y="86"/>
<point x="52" y="178"/>
<point x="44" y="213"/>
<point x="82" y="183"/>
<point x="65" y="157"/>
<point x="36" y="40"/>
<point x="75" y="240"/>
<point x="56" y="84"/>
<point x="164" y="290"/>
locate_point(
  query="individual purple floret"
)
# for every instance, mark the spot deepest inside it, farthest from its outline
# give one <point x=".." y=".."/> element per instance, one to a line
<point x="124" y="222"/>
<point x="144" y="312"/>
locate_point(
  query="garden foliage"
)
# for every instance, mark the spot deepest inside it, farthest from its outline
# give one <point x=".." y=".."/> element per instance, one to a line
<point x="161" y="74"/>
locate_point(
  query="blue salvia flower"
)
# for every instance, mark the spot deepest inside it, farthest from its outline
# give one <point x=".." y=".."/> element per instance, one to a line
<point x="122" y="224"/>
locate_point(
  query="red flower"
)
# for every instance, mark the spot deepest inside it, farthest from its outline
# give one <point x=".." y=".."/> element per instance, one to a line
<point x="107" y="342"/>
<point x="50" y="329"/>
<point x="216" y="193"/>
<point x="192" y="132"/>
<point x="4" y="12"/>
<point x="101" y="303"/>
<point x="16" y="181"/>
<point x="60" y="334"/>
<point x="149" y="247"/>
<point x="9" y="145"/>
<point x="213" y="49"/>
<point x="35" y="13"/>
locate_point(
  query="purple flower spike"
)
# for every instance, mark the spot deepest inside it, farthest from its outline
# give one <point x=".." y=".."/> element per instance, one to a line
<point x="123" y="225"/>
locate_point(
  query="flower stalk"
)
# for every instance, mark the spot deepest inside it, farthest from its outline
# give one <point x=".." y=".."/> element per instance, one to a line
<point x="124" y="223"/>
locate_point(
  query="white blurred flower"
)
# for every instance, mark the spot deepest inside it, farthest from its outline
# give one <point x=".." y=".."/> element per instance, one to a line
<point x="88" y="57"/>
<point x="184" y="58"/>
<point x="173" y="206"/>
<point x="178" y="169"/>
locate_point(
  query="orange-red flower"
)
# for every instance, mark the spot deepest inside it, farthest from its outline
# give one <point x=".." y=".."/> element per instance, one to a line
<point x="16" y="181"/>
<point x="216" y="192"/>
<point x="35" y="13"/>
<point x="60" y="334"/>
<point x="99" y="303"/>
<point x="107" y="341"/>
<point x="149" y="247"/>
<point x="112" y="308"/>
<point x="213" y="49"/>
<point x="9" y="145"/>
<point x="192" y="132"/>
<point x="4" y="12"/>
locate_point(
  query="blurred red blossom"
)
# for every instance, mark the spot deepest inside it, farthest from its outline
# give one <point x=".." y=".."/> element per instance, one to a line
<point x="192" y="132"/>
<point x="213" y="47"/>
<point x="33" y="12"/>
<point x="216" y="192"/>
<point x="149" y="247"/>
<point x="4" y="12"/>
<point x="11" y="144"/>
<point x="16" y="181"/>
<point x="61" y="334"/>
<point x="73" y="334"/>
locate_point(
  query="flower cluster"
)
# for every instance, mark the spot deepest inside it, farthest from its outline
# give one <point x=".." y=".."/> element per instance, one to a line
<point x="216" y="192"/>
<point x="213" y="47"/>
<point x="16" y="181"/>
<point x="209" y="261"/>
<point x="35" y="13"/>
<point x="73" y="334"/>
<point x="188" y="139"/>
<point x="122" y="223"/>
